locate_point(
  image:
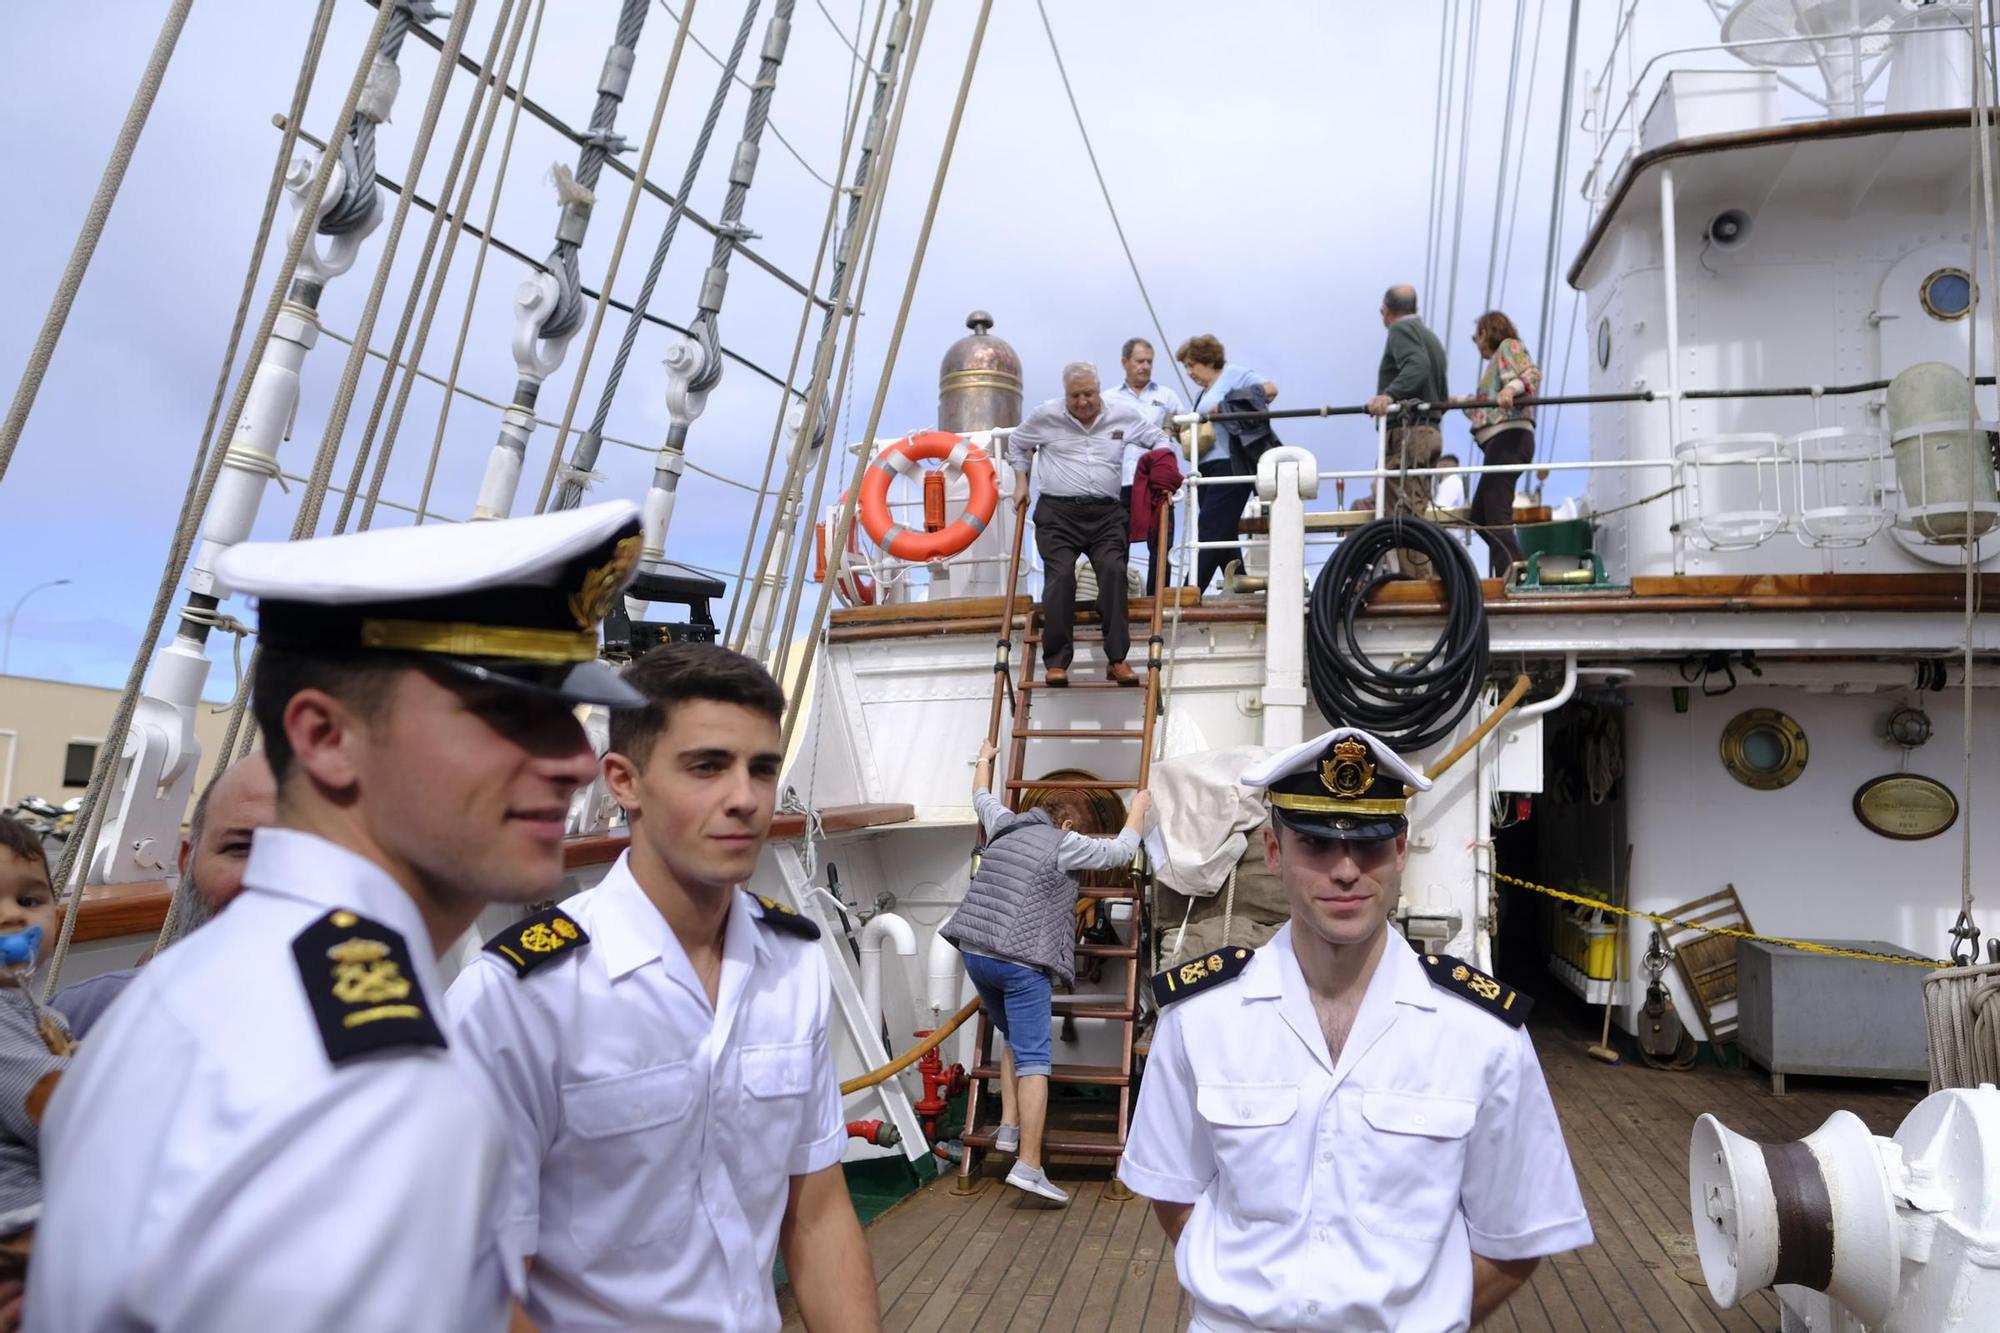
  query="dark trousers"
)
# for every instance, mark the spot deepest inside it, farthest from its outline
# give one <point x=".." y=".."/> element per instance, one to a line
<point x="1157" y="546"/>
<point x="1067" y="526"/>
<point x="1218" y="510"/>
<point x="1493" y="498"/>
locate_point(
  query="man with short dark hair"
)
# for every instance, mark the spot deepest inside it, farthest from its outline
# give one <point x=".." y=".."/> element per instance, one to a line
<point x="1076" y="445"/>
<point x="236" y="803"/>
<point x="1412" y="370"/>
<point x="1156" y="402"/>
<point x="269" y="1131"/>
<point x="660" y="1044"/>
<point x="1343" y="1132"/>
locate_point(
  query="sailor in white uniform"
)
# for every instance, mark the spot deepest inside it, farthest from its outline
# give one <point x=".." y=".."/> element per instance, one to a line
<point x="661" y="1045"/>
<point x="1337" y="1131"/>
<point x="270" y="1131"/>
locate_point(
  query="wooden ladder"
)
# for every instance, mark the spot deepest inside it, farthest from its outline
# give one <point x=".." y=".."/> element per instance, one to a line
<point x="1093" y="1137"/>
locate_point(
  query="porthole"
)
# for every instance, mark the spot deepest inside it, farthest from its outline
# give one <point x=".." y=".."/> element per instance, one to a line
<point x="1604" y="344"/>
<point x="1764" y="749"/>
<point x="1947" y="294"/>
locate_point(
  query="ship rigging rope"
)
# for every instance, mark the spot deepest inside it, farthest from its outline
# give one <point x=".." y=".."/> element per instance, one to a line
<point x="89" y="233"/>
<point x="845" y="525"/>
<point x="357" y="204"/>
<point x="599" y="142"/>
<point x="1446" y="49"/>
<point x="1506" y="144"/>
<point x="742" y="82"/>
<point x="82" y="845"/>
<point x="876" y="155"/>
<point x="748" y="593"/>
<point x="1962" y="1021"/>
<point x="486" y="97"/>
<point x="866" y="222"/>
<point x="307" y="520"/>
<point x="585" y="457"/>
<point x="1527" y="132"/>
<point x="1416" y="701"/>
<point x="1111" y="208"/>
<point x="1464" y="144"/>
<point x="486" y="244"/>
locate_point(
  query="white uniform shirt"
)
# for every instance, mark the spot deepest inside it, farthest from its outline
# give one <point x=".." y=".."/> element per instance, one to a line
<point x="1156" y="402"/>
<point x="1450" y="494"/>
<point x="654" y="1138"/>
<point x="209" y="1169"/>
<point x="1347" y="1195"/>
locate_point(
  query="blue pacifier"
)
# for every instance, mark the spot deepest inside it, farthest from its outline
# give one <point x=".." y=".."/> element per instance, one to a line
<point x="21" y="949"/>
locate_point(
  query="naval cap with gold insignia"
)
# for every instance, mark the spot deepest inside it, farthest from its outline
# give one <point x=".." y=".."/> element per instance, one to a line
<point x="1345" y="785"/>
<point x="514" y="602"/>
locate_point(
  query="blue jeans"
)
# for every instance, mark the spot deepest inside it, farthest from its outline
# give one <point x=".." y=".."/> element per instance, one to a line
<point x="1017" y="1000"/>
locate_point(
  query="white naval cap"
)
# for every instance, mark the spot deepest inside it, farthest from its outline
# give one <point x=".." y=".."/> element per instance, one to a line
<point x="516" y="601"/>
<point x="1344" y="784"/>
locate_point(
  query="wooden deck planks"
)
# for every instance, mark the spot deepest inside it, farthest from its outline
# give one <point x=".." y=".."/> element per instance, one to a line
<point x="999" y="1261"/>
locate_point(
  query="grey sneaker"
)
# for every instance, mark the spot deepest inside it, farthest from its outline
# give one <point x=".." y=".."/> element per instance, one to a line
<point x="1007" y="1139"/>
<point x="1031" y="1180"/>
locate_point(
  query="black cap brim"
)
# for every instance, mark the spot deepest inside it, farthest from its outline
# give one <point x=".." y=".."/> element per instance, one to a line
<point x="1341" y="828"/>
<point x="593" y="682"/>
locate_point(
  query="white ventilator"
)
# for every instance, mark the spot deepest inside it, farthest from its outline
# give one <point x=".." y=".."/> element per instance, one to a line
<point x="1856" y="1231"/>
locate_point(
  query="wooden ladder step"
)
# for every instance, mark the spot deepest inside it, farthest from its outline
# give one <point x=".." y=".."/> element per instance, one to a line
<point x="1111" y="894"/>
<point x="1107" y="951"/>
<point x="1073" y="1142"/>
<point x="1069" y="1006"/>
<point x="1075" y="684"/>
<point x="1079" y="734"/>
<point x="1110" y="1076"/>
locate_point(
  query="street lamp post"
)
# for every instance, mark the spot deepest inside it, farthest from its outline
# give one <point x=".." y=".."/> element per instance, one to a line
<point x="7" y="649"/>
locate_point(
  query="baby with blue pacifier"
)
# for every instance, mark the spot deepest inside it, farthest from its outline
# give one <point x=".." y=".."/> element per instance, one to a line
<point x="34" y="1048"/>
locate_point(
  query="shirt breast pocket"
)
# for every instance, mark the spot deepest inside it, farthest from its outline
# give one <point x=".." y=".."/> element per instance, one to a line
<point x="1409" y="1158"/>
<point x="1261" y="1148"/>
<point x="628" y="1164"/>
<point x="778" y="1081"/>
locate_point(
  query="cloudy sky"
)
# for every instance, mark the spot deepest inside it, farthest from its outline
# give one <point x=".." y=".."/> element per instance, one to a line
<point x="1271" y="163"/>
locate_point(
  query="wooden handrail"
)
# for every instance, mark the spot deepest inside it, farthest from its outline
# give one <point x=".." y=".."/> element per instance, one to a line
<point x="1003" y="651"/>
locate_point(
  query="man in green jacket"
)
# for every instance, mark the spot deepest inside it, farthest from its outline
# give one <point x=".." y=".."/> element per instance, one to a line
<point x="1413" y="368"/>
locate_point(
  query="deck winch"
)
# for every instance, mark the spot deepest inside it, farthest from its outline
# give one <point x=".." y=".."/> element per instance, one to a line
<point x="1858" y="1231"/>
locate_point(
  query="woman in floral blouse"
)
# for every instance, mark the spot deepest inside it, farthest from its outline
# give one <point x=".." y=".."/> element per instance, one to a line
<point x="1505" y="433"/>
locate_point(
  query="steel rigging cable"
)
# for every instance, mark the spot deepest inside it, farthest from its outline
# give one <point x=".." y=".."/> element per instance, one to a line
<point x="1414" y="703"/>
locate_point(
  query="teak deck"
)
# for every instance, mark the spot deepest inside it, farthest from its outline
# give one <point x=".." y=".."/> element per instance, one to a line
<point x="999" y="1260"/>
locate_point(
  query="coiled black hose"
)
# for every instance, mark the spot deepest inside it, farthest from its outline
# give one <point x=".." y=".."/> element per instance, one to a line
<point x="1412" y="704"/>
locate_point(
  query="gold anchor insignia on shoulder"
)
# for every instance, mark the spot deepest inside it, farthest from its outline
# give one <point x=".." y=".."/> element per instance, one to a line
<point x="1177" y="983"/>
<point x="541" y="938"/>
<point x="362" y="987"/>
<point x="1350" y="772"/>
<point x="1469" y="983"/>
<point x="599" y="593"/>
<point x="789" y="920"/>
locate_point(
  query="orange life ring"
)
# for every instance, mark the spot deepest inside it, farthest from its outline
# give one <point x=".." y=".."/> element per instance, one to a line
<point x="903" y="459"/>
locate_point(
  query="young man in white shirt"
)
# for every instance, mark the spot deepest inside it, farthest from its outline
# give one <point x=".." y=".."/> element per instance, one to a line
<point x="660" y="1044"/>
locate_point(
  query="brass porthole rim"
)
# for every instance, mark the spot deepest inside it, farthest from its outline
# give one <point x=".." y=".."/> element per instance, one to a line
<point x="1946" y="316"/>
<point x="1792" y="740"/>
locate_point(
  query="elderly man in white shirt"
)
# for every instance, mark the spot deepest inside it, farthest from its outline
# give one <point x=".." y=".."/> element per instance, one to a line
<point x="1337" y="1131"/>
<point x="661" y="1045"/>
<point x="1075" y="446"/>
<point x="270" y="1130"/>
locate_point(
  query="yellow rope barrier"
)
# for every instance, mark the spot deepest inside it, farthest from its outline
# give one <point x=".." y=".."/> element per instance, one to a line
<point x="911" y="1056"/>
<point x="1806" y="946"/>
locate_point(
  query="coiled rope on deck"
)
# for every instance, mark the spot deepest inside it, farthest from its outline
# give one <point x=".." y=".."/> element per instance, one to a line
<point x="1414" y="702"/>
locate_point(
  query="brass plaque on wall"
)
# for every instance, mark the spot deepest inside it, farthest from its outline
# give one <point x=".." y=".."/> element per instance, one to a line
<point x="1905" y="806"/>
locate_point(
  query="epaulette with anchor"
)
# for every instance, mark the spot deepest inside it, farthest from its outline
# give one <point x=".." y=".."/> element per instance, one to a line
<point x="1198" y="974"/>
<point x="1470" y="984"/>
<point x="362" y="987"/>
<point x="536" y="940"/>
<point x="780" y="917"/>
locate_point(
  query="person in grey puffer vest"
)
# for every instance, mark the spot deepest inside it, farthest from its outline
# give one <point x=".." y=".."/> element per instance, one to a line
<point x="1017" y="931"/>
